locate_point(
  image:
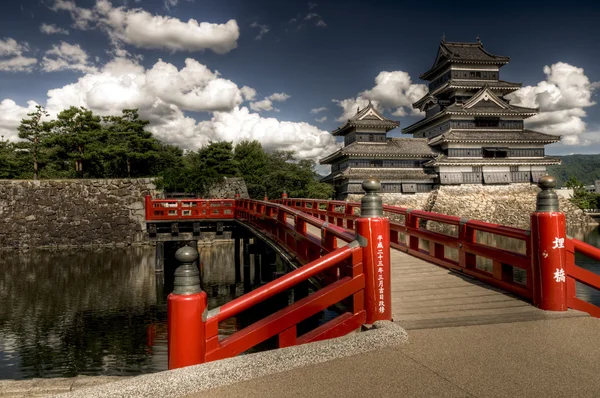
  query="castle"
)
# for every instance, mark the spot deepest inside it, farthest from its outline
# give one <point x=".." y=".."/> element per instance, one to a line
<point x="470" y="133"/>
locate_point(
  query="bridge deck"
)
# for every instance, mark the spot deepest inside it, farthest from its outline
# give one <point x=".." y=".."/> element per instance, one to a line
<point x="425" y="295"/>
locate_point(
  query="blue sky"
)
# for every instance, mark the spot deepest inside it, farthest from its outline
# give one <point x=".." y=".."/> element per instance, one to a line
<point x="278" y="60"/>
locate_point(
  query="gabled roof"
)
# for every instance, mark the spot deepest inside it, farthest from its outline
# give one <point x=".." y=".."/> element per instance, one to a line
<point x="392" y="148"/>
<point x="420" y="104"/>
<point x="384" y="174"/>
<point x="500" y="137"/>
<point x="453" y="52"/>
<point x="368" y="117"/>
<point x="444" y="160"/>
<point x="484" y="103"/>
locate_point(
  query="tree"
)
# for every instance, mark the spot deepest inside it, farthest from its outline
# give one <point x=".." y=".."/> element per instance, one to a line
<point x="251" y="161"/>
<point x="79" y="133"/>
<point x="581" y="197"/>
<point x="33" y="131"/>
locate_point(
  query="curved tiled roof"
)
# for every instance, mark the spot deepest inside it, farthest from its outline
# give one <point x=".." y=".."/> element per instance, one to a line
<point x="444" y="160"/>
<point x="394" y="174"/>
<point x="392" y="148"/>
<point x="525" y="136"/>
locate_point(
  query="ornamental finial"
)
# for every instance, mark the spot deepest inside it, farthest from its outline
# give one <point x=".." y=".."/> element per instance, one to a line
<point x="444" y="37"/>
<point x="478" y="39"/>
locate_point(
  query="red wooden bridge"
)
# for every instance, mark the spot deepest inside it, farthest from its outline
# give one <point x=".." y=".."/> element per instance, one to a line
<point x="436" y="270"/>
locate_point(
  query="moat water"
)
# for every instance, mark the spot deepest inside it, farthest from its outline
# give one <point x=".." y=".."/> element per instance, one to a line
<point x="103" y="312"/>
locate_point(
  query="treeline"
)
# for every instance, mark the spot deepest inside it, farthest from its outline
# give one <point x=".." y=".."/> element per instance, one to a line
<point x="80" y="144"/>
<point x="584" y="168"/>
<point x="264" y="173"/>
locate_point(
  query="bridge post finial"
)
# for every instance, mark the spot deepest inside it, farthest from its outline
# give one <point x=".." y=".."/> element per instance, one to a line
<point x="548" y="234"/>
<point x="371" y="205"/>
<point x="284" y="194"/>
<point x="547" y="199"/>
<point x="186" y="313"/>
<point x="373" y="233"/>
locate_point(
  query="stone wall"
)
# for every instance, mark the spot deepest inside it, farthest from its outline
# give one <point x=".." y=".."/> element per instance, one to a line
<point x="72" y="212"/>
<point x="508" y="205"/>
<point x="228" y="188"/>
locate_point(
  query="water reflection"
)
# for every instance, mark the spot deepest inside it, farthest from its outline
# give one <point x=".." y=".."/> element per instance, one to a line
<point x="90" y="312"/>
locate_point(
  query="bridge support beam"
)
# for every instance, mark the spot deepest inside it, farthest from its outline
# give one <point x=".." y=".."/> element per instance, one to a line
<point x="373" y="230"/>
<point x="159" y="260"/>
<point x="186" y="314"/>
<point x="548" y="251"/>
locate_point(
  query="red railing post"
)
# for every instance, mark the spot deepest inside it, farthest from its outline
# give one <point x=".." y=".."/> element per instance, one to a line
<point x="373" y="234"/>
<point x="548" y="252"/>
<point x="284" y="194"/>
<point x="148" y="207"/>
<point x="186" y="314"/>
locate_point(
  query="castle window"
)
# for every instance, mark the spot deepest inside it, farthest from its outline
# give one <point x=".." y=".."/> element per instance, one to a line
<point x="376" y="163"/>
<point x="514" y="168"/>
<point x="477" y="74"/>
<point x="495" y="152"/>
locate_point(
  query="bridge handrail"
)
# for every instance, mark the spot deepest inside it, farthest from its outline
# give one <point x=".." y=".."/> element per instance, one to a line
<point x="329" y="228"/>
<point x="283" y="283"/>
<point x="185" y="209"/>
<point x="575" y="273"/>
<point x="465" y="241"/>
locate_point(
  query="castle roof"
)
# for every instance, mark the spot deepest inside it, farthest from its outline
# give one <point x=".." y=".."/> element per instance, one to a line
<point x="470" y="53"/>
<point x="484" y="103"/>
<point x="368" y="117"/>
<point x="392" y="148"/>
<point x="444" y="160"/>
<point x="500" y="137"/>
<point x="384" y="174"/>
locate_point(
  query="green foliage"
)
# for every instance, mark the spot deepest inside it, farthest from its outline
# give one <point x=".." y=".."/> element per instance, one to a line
<point x="33" y="131"/>
<point x="79" y="143"/>
<point x="581" y="197"/>
<point x="262" y="172"/>
<point x="585" y="168"/>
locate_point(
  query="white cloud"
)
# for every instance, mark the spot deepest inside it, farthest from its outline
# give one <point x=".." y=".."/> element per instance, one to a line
<point x="10" y="117"/>
<point x="51" y="29"/>
<point x="321" y="119"/>
<point x="263" y="30"/>
<point x="141" y="29"/>
<point x="267" y="103"/>
<point x="12" y="58"/>
<point x="170" y="3"/>
<point x="162" y="93"/>
<point x="561" y="99"/>
<point x="393" y="91"/>
<point x="248" y="93"/>
<point x="66" y="56"/>
<point x="308" y="17"/>
<point x="314" y="111"/>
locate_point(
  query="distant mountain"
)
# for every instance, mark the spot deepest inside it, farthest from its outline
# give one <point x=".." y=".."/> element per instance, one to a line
<point x="586" y="168"/>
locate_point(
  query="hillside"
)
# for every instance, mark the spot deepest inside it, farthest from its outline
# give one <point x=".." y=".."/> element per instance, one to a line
<point x="586" y="168"/>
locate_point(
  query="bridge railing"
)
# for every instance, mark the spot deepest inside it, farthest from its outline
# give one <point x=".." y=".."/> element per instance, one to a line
<point x="453" y="244"/>
<point x="575" y="274"/>
<point x="191" y="209"/>
<point x="354" y="278"/>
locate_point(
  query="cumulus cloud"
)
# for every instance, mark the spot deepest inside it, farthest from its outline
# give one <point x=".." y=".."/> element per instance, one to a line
<point x="263" y="30"/>
<point x="50" y="29"/>
<point x="314" y="111"/>
<point x="66" y="56"/>
<point x="267" y="103"/>
<point x="561" y="99"/>
<point x="163" y="93"/>
<point x="10" y="117"/>
<point x="393" y="91"/>
<point x="321" y="119"/>
<point x="141" y="29"/>
<point x="12" y="58"/>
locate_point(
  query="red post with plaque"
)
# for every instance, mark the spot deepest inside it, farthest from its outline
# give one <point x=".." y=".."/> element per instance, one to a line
<point x="373" y="232"/>
<point x="548" y="252"/>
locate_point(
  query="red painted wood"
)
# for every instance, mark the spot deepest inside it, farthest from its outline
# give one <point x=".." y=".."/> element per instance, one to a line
<point x="287" y="338"/>
<point x="339" y="326"/>
<point x="186" y="332"/>
<point x="276" y="323"/>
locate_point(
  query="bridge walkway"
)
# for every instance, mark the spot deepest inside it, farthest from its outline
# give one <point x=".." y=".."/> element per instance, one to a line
<point x="425" y="295"/>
